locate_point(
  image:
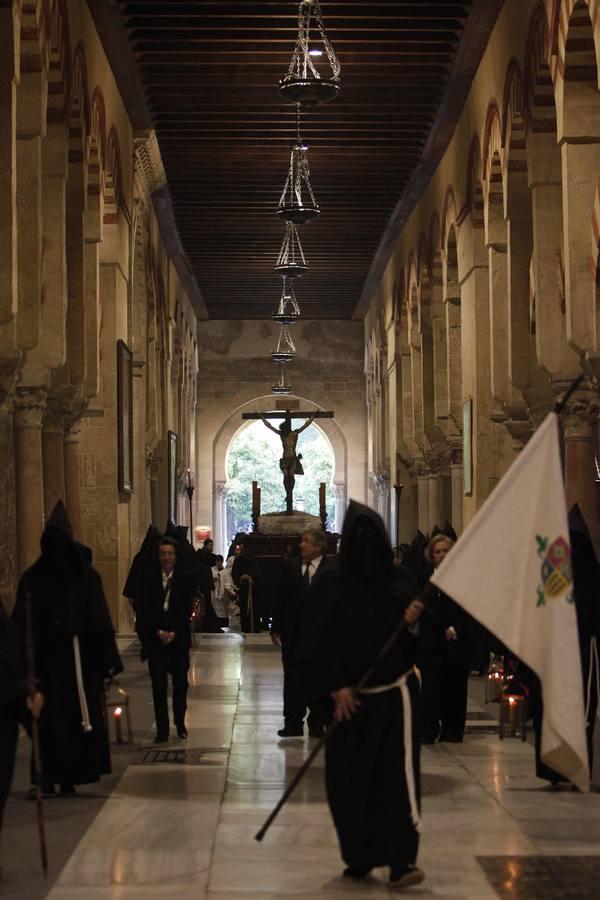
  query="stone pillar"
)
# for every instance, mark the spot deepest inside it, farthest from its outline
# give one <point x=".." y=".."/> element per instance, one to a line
<point x="153" y="468"/>
<point x="53" y="455"/>
<point x="434" y="515"/>
<point x="339" y="492"/>
<point x="580" y="471"/>
<point x="29" y="492"/>
<point x="457" y="479"/>
<point x="8" y="545"/>
<point x="72" y="479"/>
<point x="218" y="516"/>
<point x="423" y="503"/>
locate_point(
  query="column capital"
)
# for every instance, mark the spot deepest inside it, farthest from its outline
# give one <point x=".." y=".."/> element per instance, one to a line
<point x="579" y="416"/>
<point x="456" y="456"/>
<point x="339" y="492"/>
<point x="30" y="407"/>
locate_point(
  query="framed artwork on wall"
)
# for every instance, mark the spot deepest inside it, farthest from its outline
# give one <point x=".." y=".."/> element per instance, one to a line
<point x="468" y="446"/>
<point x="125" y="417"/>
<point x="172" y="475"/>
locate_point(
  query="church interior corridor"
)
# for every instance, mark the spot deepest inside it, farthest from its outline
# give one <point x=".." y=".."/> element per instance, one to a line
<point x="185" y="829"/>
<point x="300" y="435"/>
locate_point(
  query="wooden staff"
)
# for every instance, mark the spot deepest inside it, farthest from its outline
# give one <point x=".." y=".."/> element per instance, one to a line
<point x="251" y="603"/>
<point x="35" y="735"/>
<point x="398" y="631"/>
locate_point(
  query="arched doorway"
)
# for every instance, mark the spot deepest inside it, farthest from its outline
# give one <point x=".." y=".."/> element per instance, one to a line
<point x="253" y="455"/>
<point x="224" y="437"/>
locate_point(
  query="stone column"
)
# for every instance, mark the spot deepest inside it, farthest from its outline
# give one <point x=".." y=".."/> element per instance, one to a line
<point x="53" y="454"/>
<point x="423" y="502"/>
<point x="72" y="479"/>
<point x="339" y="492"/>
<point x="29" y="492"/>
<point x="580" y="449"/>
<point x="457" y="479"/>
<point x="434" y="514"/>
<point x="8" y="545"/>
<point x="219" y="519"/>
<point x="153" y="467"/>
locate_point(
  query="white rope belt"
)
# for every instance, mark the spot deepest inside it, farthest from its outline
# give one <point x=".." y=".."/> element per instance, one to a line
<point x="594" y="669"/>
<point x="85" y="715"/>
<point x="400" y="684"/>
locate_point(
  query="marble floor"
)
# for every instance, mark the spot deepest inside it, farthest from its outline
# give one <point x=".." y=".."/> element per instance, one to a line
<point x="182" y="827"/>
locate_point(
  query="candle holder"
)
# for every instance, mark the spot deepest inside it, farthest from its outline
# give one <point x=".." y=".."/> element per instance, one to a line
<point x="189" y="489"/>
<point x="494" y="680"/>
<point x="513" y="711"/>
<point x="119" y="707"/>
<point x="323" y="505"/>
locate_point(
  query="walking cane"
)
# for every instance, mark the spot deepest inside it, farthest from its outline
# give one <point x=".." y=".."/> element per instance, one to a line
<point x="35" y="735"/>
<point x="398" y="631"/>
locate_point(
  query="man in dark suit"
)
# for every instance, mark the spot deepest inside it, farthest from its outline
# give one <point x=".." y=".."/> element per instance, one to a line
<point x="304" y="581"/>
<point x="167" y="597"/>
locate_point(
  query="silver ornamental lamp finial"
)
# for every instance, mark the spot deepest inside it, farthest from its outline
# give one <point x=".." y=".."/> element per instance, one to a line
<point x="282" y="386"/>
<point x="304" y="84"/>
<point x="286" y="350"/>
<point x="297" y="203"/>
<point x="288" y="310"/>
<point x="291" y="262"/>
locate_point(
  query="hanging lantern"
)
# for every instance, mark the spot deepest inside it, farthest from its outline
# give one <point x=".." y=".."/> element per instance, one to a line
<point x="282" y="386"/>
<point x="288" y="310"/>
<point x="286" y="350"/>
<point x="291" y="262"/>
<point x="303" y="83"/>
<point x="297" y="203"/>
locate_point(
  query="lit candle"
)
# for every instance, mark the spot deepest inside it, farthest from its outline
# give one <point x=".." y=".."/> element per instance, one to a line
<point x="117" y="715"/>
<point x="189" y="476"/>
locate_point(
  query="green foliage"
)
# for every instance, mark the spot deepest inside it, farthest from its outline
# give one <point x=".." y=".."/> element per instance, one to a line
<point x="254" y="456"/>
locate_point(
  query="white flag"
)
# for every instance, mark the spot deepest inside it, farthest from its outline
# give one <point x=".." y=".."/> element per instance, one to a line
<point x="511" y="570"/>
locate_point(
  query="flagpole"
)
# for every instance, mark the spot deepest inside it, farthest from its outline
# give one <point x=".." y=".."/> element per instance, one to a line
<point x="35" y="735"/>
<point x="398" y="631"/>
<point x="560" y="404"/>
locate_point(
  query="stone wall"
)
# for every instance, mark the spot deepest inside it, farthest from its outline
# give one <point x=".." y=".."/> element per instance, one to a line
<point x="489" y="302"/>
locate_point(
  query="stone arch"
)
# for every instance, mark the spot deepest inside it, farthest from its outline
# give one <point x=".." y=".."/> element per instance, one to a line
<point x="247" y="401"/>
<point x="578" y="106"/>
<point x="578" y="115"/>
<point x="113" y="188"/>
<point x="59" y="57"/>
<point x="438" y="325"/>
<point x="474" y="183"/>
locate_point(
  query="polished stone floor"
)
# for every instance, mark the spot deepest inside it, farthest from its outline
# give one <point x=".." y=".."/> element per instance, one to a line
<point x="180" y="825"/>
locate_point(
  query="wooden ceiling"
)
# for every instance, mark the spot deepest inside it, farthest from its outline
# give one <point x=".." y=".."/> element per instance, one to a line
<point x="210" y="70"/>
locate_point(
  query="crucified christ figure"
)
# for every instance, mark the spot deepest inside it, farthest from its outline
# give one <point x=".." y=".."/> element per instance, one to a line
<point x="289" y="463"/>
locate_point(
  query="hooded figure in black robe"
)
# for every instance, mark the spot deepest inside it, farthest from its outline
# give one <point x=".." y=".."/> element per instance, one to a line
<point x="586" y="583"/>
<point x="68" y="603"/>
<point x="13" y="690"/>
<point x="143" y="559"/>
<point x="372" y="759"/>
<point x="247" y="577"/>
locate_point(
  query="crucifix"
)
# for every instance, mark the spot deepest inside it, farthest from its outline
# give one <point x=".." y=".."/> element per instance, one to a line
<point x="290" y="463"/>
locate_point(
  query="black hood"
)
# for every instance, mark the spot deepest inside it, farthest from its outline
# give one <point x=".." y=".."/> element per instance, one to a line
<point x="365" y="552"/>
<point x="60" y="552"/>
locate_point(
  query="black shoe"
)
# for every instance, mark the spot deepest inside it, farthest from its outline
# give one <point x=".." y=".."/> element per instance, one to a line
<point x="161" y="738"/>
<point x="182" y="732"/>
<point x="316" y="732"/>
<point x="67" y="790"/>
<point x="47" y="792"/>
<point x="356" y="872"/>
<point x="287" y="731"/>
<point x="405" y="876"/>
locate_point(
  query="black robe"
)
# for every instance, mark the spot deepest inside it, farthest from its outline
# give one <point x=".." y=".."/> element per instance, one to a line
<point x="67" y="599"/>
<point x="146" y="556"/>
<point x="372" y="761"/>
<point x="586" y="583"/>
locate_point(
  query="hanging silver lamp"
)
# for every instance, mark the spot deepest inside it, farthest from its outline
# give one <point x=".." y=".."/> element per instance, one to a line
<point x="288" y="311"/>
<point x="291" y="262"/>
<point x="286" y="349"/>
<point x="304" y="83"/>
<point x="297" y="203"/>
<point x="281" y="386"/>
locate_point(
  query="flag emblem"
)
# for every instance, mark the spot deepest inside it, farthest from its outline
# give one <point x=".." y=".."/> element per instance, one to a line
<point x="556" y="572"/>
